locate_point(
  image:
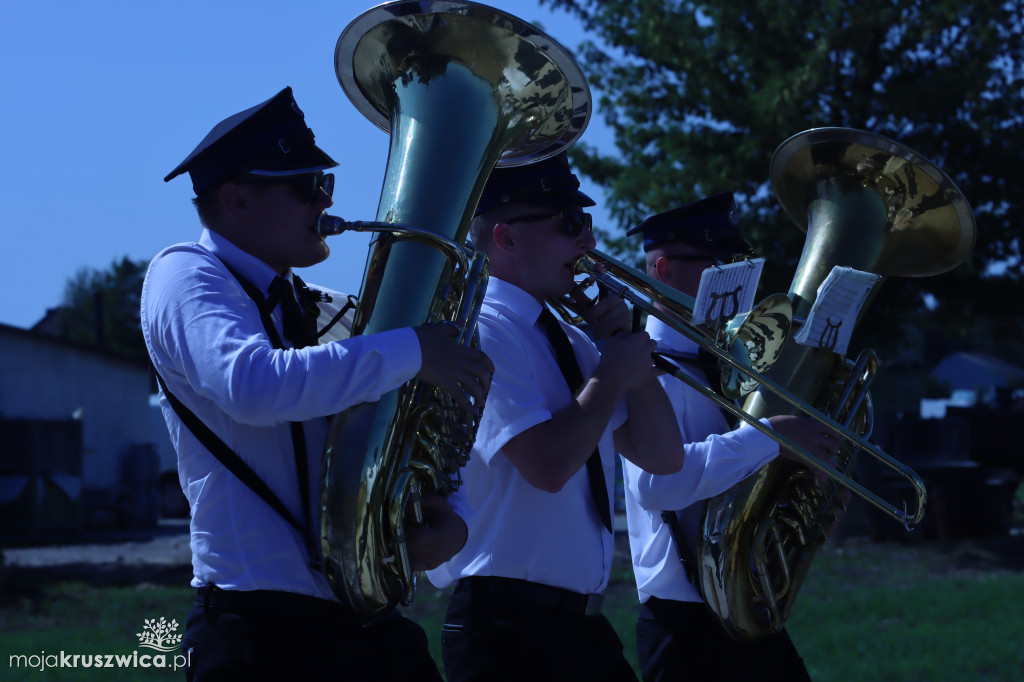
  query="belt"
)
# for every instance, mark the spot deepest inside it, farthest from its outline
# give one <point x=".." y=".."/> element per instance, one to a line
<point x="283" y="604"/>
<point x="555" y="599"/>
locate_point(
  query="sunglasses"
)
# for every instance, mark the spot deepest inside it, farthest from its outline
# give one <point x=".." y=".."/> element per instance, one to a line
<point x="574" y="221"/>
<point x="305" y="185"/>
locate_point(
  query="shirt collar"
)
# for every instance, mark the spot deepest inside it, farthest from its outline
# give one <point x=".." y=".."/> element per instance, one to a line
<point x="514" y="299"/>
<point x="244" y="263"/>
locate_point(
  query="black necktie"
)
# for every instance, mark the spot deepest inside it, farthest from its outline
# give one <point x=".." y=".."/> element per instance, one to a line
<point x="567" y="362"/>
<point x="309" y="300"/>
<point x="298" y="328"/>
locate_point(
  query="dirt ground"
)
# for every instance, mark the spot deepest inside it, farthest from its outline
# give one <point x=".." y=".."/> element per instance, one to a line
<point x="158" y="555"/>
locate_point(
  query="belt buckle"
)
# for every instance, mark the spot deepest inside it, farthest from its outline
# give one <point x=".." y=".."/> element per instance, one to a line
<point x="594" y="602"/>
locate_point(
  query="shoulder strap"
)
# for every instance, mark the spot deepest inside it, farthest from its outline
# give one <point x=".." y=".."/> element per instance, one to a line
<point x="226" y="456"/>
<point x="235" y="464"/>
<point x="702" y="367"/>
<point x="351" y="303"/>
<point x="675" y="528"/>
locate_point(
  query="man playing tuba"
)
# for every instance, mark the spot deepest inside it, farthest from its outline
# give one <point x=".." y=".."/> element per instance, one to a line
<point x="246" y="391"/>
<point x="677" y="635"/>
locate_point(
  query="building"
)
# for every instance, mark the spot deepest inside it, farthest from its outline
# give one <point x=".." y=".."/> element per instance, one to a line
<point x="77" y="441"/>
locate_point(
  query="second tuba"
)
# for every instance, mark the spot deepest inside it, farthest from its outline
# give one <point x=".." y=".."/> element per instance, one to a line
<point x="868" y="203"/>
<point x="461" y="87"/>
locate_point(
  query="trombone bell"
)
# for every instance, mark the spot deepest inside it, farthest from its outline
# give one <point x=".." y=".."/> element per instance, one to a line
<point x="756" y="339"/>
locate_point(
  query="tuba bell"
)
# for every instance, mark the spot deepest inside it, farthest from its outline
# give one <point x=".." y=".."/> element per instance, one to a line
<point x="460" y="87"/>
<point x="868" y="203"/>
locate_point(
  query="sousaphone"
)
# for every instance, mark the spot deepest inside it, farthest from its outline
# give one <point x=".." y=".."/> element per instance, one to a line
<point x="461" y="88"/>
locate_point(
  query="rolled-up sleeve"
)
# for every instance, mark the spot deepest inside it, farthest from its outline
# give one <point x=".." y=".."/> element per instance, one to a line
<point x="515" y="402"/>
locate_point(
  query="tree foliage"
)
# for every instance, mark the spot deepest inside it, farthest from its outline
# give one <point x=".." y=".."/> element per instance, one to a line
<point x="699" y="95"/>
<point x="101" y="307"/>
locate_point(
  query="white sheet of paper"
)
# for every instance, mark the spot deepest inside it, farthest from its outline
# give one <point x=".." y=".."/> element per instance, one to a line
<point x="726" y="291"/>
<point x="835" y="310"/>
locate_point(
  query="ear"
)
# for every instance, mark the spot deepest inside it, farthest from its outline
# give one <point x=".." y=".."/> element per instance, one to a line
<point x="502" y="236"/>
<point x="663" y="269"/>
<point x="233" y="198"/>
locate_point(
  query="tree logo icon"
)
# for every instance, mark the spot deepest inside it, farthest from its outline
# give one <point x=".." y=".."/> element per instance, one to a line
<point x="159" y="635"/>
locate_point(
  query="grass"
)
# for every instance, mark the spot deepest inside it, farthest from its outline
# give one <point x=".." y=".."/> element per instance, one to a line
<point x="40" y="622"/>
<point x="894" y="612"/>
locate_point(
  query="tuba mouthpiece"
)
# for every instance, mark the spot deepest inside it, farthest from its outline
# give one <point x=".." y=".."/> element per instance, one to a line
<point x="327" y="225"/>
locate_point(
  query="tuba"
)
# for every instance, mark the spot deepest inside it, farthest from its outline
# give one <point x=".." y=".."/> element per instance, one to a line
<point x="460" y="87"/>
<point x="868" y="203"/>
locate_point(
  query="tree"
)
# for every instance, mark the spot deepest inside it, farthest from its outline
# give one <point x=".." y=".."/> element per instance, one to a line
<point x="101" y="308"/>
<point x="699" y="95"/>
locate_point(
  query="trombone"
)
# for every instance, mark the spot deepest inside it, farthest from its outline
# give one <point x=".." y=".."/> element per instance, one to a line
<point x="746" y="350"/>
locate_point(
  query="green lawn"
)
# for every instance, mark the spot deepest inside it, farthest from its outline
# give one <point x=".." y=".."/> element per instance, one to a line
<point x="892" y="612"/>
<point x="921" y="612"/>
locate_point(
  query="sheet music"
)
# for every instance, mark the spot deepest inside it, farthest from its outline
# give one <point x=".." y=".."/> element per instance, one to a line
<point x="726" y="291"/>
<point x="835" y="311"/>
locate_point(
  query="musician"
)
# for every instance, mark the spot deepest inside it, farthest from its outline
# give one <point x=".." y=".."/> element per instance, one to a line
<point x="246" y="394"/>
<point x="677" y="635"/>
<point x="528" y="582"/>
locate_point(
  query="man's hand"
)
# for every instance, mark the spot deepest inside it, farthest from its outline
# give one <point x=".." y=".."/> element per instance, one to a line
<point x="608" y="316"/>
<point x="808" y="433"/>
<point x="626" y="361"/>
<point x="820" y="441"/>
<point x="441" y="536"/>
<point x="463" y="372"/>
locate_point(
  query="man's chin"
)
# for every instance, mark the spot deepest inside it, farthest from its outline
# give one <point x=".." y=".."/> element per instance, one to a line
<point x="317" y="256"/>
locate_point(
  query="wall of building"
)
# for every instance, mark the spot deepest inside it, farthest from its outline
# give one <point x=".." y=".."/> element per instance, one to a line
<point x="45" y="378"/>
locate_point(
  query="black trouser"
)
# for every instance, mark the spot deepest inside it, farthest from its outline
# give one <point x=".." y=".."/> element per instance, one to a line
<point x="502" y="629"/>
<point x="683" y="641"/>
<point x="279" y="636"/>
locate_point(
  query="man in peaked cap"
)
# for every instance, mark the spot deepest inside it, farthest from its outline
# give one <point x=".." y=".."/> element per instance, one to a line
<point x="269" y="139"/>
<point x="246" y="390"/>
<point x="677" y="635"/>
<point x="528" y="583"/>
<point x="709" y="227"/>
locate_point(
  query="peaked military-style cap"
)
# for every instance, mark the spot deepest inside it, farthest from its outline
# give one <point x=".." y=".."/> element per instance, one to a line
<point x="711" y="224"/>
<point x="545" y="183"/>
<point x="271" y="138"/>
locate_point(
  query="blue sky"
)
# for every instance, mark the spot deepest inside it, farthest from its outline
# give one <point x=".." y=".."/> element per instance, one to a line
<point x="102" y="99"/>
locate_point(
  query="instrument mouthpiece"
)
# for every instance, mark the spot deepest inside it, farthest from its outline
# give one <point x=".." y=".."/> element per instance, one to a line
<point x="579" y="266"/>
<point x="328" y="225"/>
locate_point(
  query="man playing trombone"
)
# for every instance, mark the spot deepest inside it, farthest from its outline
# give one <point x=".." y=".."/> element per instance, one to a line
<point x="677" y="634"/>
<point x="528" y="583"/>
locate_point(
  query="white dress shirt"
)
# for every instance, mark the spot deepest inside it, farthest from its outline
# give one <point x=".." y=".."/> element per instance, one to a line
<point x="205" y="337"/>
<point x="713" y="464"/>
<point x="517" y="530"/>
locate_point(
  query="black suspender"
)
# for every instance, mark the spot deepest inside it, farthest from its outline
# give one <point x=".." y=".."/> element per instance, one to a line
<point x="705" y="364"/>
<point x="226" y="456"/>
<point x="235" y="464"/>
